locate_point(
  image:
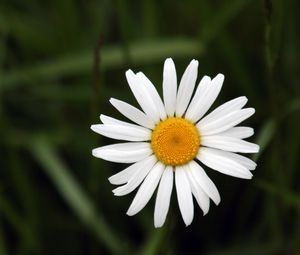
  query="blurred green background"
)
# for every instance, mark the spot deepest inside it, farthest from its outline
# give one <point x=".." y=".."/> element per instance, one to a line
<point x="61" y="61"/>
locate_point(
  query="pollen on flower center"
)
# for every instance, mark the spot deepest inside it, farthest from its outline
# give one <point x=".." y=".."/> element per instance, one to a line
<point x="175" y="141"/>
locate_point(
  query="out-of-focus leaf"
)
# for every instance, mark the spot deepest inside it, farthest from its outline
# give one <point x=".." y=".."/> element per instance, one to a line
<point x="265" y="136"/>
<point x="111" y="57"/>
<point x="274" y="13"/>
<point x="236" y="62"/>
<point x="269" y="128"/>
<point x="154" y="241"/>
<point x="287" y="196"/>
<point x="18" y="224"/>
<point x="220" y="19"/>
<point x="293" y="106"/>
<point x="73" y="194"/>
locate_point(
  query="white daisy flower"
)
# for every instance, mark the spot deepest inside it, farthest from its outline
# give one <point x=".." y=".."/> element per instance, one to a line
<point x="171" y="137"/>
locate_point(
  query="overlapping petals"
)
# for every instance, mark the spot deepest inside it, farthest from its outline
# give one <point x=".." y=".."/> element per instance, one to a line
<point x="221" y="141"/>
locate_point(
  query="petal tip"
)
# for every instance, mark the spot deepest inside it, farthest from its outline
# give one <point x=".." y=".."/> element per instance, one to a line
<point x="158" y="224"/>
<point x="219" y="77"/>
<point x="254" y="167"/>
<point x="195" y="63"/>
<point x="251" y="110"/>
<point x="130" y="212"/>
<point x="249" y="176"/>
<point x="169" y="61"/>
<point x="206" y="77"/>
<point x="187" y="223"/>
<point x="92" y="127"/>
<point x="129" y="71"/>
<point x="129" y="75"/>
<point x="95" y="153"/>
<point x="112" y="100"/>
<point x="217" y="201"/>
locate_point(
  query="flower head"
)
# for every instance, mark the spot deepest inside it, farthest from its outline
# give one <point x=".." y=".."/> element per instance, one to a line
<point x="171" y="137"/>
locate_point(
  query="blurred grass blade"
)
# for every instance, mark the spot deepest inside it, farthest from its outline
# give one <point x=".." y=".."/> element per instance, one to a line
<point x="221" y="18"/>
<point x="269" y="128"/>
<point x="287" y="196"/>
<point x="74" y="195"/>
<point x="274" y="15"/>
<point x="22" y="228"/>
<point x="111" y="57"/>
<point x="154" y="241"/>
<point x="265" y="136"/>
<point x="237" y="63"/>
<point x="156" y="238"/>
<point x="293" y="106"/>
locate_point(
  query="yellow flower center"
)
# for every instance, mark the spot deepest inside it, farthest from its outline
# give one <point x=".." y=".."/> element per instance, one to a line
<point x="175" y="141"/>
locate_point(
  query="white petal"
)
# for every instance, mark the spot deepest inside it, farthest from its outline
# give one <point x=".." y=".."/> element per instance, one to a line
<point x="132" y="113"/>
<point x="123" y="152"/>
<point x="136" y="179"/>
<point x="218" y="125"/>
<point x="112" y="121"/>
<point x="193" y="109"/>
<point x="230" y="106"/>
<point x="163" y="197"/>
<point x="142" y="96"/>
<point x="238" y="132"/>
<point x="184" y="196"/>
<point x="227" y="143"/>
<point x="246" y="162"/>
<point x="223" y="164"/>
<point x="157" y="102"/>
<point x="186" y="87"/>
<point x="146" y="189"/>
<point x="201" y="197"/>
<point x="124" y="175"/>
<point x="205" y="101"/>
<point x="133" y="134"/>
<point x="205" y="182"/>
<point x="169" y="86"/>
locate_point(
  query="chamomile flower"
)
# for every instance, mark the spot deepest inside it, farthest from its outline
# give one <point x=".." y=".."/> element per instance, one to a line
<point x="171" y="139"/>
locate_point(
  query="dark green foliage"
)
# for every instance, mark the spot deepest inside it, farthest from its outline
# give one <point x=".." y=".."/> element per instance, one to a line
<point x="61" y="61"/>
